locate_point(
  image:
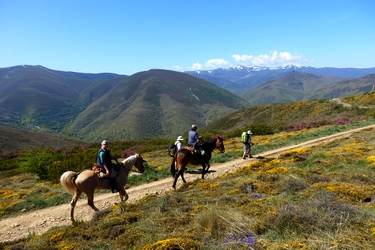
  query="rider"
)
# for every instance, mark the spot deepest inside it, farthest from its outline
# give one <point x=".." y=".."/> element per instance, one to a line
<point x="104" y="160"/>
<point x="178" y="143"/>
<point x="194" y="140"/>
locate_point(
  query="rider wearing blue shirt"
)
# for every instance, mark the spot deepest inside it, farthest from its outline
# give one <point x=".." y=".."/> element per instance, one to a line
<point x="104" y="160"/>
<point x="193" y="140"/>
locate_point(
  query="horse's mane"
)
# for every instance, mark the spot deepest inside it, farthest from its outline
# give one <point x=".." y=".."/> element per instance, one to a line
<point x="130" y="158"/>
<point x="213" y="140"/>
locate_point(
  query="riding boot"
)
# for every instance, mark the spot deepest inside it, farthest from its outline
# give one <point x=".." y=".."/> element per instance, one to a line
<point x="113" y="184"/>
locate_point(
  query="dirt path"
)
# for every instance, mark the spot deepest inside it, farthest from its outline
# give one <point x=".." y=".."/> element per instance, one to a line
<point x="40" y="221"/>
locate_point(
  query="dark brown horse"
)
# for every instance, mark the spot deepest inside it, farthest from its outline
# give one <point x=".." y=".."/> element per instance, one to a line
<point x="184" y="157"/>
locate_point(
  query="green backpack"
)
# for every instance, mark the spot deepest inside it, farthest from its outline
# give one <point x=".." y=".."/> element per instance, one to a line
<point x="243" y="136"/>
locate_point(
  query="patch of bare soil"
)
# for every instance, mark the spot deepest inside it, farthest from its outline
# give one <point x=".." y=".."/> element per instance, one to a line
<point x="40" y="221"/>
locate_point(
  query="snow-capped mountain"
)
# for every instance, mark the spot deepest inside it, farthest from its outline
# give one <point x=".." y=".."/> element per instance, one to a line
<point x="240" y="78"/>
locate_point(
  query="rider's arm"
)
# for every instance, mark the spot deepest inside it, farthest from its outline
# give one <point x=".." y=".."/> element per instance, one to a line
<point x="197" y="138"/>
<point x="102" y="159"/>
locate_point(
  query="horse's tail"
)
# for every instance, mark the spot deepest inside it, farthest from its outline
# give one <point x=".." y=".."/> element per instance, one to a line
<point x="173" y="167"/>
<point x="67" y="181"/>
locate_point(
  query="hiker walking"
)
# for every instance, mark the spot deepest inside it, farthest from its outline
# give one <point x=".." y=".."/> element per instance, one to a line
<point x="247" y="145"/>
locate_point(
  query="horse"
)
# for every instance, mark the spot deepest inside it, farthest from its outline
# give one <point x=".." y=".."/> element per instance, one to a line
<point x="87" y="181"/>
<point x="184" y="156"/>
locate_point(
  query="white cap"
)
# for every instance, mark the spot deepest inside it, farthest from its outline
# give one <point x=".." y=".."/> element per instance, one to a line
<point x="249" y="132"/>
<point x="180" y="138"/>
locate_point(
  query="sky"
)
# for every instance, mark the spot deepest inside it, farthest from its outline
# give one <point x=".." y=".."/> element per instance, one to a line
<point x="129" y="36"/>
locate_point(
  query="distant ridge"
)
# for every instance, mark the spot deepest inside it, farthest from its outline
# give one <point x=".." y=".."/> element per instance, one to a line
<point x="240" y="78"/>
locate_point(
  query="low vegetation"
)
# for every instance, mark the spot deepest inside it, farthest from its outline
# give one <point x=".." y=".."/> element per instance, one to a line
<point x="316" y="197"/>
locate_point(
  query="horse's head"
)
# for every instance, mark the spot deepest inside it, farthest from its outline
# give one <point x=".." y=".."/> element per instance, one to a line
<point x="139" y="163"/>
<point x="220" y="144"/>
<point x="136" y="161"/>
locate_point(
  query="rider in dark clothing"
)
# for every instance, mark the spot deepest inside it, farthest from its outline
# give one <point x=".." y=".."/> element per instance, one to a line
<point x="193" y="140"/>
<point x="104" y="160"/>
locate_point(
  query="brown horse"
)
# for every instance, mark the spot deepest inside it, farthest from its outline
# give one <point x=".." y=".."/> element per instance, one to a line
<point x="185" y="156"/>
<point x="87" y="181"/>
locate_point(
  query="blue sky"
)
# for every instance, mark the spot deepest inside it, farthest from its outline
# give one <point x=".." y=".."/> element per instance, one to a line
<point x="126" y="37"/>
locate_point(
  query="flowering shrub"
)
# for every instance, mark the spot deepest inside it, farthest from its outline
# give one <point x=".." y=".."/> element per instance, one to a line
<point x="349" y="191"/>
<point x="238" y="240"/>
<point x="296" y="151"/>
<point x="57" y="237"/>
<point x="371" y="159"/>
<point x="304" y="125"/>
<point x="276" y="170"/>
<point x="343" y="121"/>
<point x="173" y="244"/>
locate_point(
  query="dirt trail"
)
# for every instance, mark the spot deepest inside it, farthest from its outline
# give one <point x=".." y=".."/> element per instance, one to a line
<point x="40" y="221"/>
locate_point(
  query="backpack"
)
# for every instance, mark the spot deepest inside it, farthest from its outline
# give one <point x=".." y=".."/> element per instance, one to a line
<point x="172" y="149"/>
<point x="243" y="136"/>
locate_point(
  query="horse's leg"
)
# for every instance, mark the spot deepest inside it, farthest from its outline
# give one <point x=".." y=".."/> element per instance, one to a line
<point x="90" y="200"/>
<point x="208" y="167"/>
<point x="73" y="203"/>
<point x="175" y="180"/>
<point x="182" y="175"/>
<point x="123" y="194"/>
<point x="203" y="170"/>
<point x="179" y="173"/>
<point x="173" y="168"/>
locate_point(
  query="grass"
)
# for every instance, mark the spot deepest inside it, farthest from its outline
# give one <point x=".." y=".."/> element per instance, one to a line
<point x="308" y="198"/>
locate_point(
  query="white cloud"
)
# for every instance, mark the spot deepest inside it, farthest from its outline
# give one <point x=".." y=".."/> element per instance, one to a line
<point x="216" y="63"/>
<point x="176" y="67"/>
<point x="273" y="58"/>
<point x="196" y="66"/>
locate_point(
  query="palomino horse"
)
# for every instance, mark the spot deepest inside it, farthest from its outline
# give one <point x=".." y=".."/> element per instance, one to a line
<point x="87" y="181"/>
<point x="185" y="156"/>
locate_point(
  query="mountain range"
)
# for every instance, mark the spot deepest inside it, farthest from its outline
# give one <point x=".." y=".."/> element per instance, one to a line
<point x="93" y="107"/>
<point x="157" y="103"/>
<point x="241" y="78"/>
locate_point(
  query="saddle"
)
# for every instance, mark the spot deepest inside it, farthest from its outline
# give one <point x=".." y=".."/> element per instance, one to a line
<point x="96" y="168"/>
<point x="101" y="175"/>
<point x="192" y="149"/>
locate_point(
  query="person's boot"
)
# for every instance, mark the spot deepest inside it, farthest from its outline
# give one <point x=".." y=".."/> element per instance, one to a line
<point x="113" y="185"/>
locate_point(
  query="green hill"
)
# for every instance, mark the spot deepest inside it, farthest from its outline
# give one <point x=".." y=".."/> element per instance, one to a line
<point x="152" y="104"/>
<point x="276" y="116"/>
<point x="291" y="87"/>
<point x="47" y="98"/>
<point x="14" y="140"/>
